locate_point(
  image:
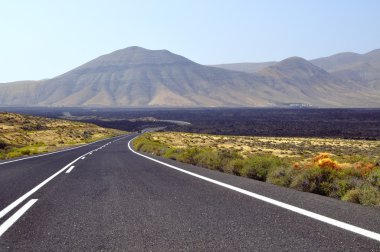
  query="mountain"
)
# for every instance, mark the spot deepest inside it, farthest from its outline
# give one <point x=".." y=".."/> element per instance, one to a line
<point x="352" y="78"/>
<point x="361" y="68"/>
<point x="137" y="77"/>
<point x="303" y="81"/>
<point x="246" y="67"/>
<point x="348" y="60"/>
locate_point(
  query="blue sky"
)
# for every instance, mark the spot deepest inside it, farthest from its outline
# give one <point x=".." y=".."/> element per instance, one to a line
<point x="43" y="38"/>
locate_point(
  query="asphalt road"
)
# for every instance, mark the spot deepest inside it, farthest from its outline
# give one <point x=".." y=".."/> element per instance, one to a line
<point x="117" y="200"/>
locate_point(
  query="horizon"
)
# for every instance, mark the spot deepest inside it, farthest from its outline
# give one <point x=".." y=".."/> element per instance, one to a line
<point x="187" y="58"/>
<point x="42" y="40"/>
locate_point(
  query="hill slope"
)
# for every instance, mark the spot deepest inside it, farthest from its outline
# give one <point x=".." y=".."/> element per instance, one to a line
<point x="354" y="78"/>
<point x="137" y="77"/>
<point x="25" y="135"/>
<point x="298" y="78"/>
<point x="251" y="68"/>
<point x="361" y="68"/>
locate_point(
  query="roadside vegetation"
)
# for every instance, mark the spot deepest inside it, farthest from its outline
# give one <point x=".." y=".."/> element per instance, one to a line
<point x="22" y="135"/>
<point x="344" y="169"/>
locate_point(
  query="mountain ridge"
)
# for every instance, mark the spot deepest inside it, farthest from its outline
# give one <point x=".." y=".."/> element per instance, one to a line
<point x="138" y="77"/>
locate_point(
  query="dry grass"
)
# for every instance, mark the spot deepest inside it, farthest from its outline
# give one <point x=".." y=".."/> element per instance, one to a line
<point x="279" y="146"/>
<point x="25" y="135"/>
<point x="342" y="169"/>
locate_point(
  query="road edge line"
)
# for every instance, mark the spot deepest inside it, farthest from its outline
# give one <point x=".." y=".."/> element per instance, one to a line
<point x="319" y="217"/>
<point x="34" y="189"/>
<point x="56" y="152"/>
<point x="15" y="203"/>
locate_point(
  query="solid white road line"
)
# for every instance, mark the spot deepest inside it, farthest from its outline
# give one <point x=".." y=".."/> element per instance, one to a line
<point x="50" y="153"/>
<point x="8" y="223"/>
<point x="70" y="169"/>
<point x="26" y="195"/>
<point x="292" y="208"/>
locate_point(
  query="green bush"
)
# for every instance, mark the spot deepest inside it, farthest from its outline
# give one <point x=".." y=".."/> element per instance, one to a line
<point x="348" y="183"/>
<point x="281" y="176"/>
<point x="350" y="172"/>
<point x="369" y="195"/>
<point x="339" y="187"/>
<point x="25" y="152"/>
<point x="146" y="144"/>
<point x="315" y="180"/>
<point x="13" y="153"/>
<point x="188" y="155"/>
<point x="258" y="167"/>
<point x="228" y="155"/>
<point x="374" y="177"/>
<point x="208" y="158"/>
<point x="235" y="166"/>
<point x="171" y="153"/>
<point x="352" y="196"/>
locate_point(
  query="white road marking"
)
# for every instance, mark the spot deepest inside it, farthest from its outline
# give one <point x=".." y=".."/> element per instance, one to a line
<point x="70" y="169"/>
<point x="292" y="208"/>
<point x="26" y="195"/>
<point x="50" y="153"/>
<point x="8" y="223"/>
<point x="83" y="157"/>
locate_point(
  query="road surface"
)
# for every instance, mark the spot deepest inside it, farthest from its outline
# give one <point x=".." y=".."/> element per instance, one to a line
<point x="105" y="197"/>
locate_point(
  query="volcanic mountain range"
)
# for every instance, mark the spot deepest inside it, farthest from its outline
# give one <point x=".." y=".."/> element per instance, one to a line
<point x="137" y="77"/>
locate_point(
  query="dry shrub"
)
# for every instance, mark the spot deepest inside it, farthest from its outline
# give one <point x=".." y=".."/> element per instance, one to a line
<point x="320" y="156"/>
<point x="356" y="180"/>
<point x="328" y="163"/>
<point x="364" y="168"/>
<point x="297" y="165"/>
<point x="322" y="160"/>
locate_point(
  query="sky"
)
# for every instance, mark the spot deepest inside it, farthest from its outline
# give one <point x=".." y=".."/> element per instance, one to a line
<point x="42" y="38"/>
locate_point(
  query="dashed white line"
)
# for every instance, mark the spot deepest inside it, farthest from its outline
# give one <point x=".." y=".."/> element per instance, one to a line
<point x="51" y="153"/>
<point x="319" y="217"/>
<point x="26" y="195"/>
<point x="8" y="223"/>
<point x="70" y="169"/>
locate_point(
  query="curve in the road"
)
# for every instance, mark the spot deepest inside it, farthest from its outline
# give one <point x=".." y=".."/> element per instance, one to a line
<point x="340" y="224"/>
<point x="50" y="153"/>
<point x="8" y="223"/>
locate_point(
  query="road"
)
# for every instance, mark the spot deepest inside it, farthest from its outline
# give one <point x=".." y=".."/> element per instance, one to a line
<point x="116" y="200"/>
